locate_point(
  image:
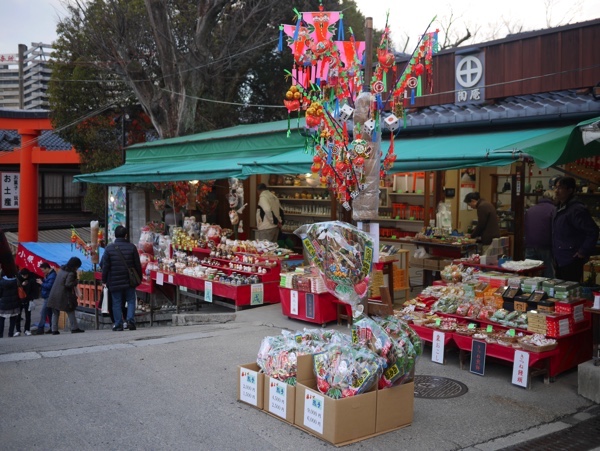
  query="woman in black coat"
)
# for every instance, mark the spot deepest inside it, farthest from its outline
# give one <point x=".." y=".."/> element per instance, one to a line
<point x="27" y="282"/>
<point x="9" y="299"/>
<point x="63" y="294"/>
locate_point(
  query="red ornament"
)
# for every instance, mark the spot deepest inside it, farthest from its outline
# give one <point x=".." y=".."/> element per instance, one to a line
<point x="292" y="105"/>
<point x="385" y="58"/>
<point x="418" y="69"/>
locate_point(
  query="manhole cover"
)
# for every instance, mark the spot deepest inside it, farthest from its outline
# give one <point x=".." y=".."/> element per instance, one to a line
<point x="438" y="387"/>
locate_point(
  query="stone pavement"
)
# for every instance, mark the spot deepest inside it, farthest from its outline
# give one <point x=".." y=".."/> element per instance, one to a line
<point x="172" y="387"/>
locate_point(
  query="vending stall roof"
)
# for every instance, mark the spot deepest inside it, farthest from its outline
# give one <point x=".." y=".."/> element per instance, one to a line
<point x="268" y="148"/>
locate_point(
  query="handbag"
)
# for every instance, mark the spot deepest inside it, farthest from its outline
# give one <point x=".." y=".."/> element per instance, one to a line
<point x="134" y="278"/>
<point x="21" y="292"/>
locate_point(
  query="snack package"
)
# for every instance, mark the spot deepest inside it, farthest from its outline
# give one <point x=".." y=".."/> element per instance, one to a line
<point x="344" y="371"/>
<point x="343" y="256"/>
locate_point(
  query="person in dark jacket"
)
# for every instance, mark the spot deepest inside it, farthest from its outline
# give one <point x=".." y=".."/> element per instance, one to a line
<point x="574" y="232"/>
<point x="63" y="290"/>
<point x="487" y="220"/>
<point x="45" y="287"/>
<point x="9" y="299"/>
<point x="118" y="257"/>
<point x="9" y="303"/>
<point x="25" y="280"/>
<point x="538" y="232"/>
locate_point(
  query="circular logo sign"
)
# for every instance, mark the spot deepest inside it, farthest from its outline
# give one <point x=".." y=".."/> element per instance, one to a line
<point x="469" y="71"/>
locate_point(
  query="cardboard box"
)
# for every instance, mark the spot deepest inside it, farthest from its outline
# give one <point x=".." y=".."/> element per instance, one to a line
<point x="280" y="399"/>
<point x="432" y="263"/>
<point x="395" y="407"/>
<point x="416" y="262"/>
<point x="251" y="385"/>
<point x="338" y="421"/>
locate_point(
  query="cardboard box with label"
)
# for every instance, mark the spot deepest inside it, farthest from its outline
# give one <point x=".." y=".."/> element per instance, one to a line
<point x="280" y="399"/>
<point x="337" y="421"/>
<point x="251" y="385"/>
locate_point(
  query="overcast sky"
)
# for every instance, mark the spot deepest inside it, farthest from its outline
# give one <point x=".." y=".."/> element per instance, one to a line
<point x="27" y="21"/>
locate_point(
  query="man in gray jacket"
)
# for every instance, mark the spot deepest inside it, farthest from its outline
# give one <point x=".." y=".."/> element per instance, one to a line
<point x="118" y="257"/>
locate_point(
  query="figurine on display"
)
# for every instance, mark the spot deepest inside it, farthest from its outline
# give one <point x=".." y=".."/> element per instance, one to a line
<point x="236" y="204"/>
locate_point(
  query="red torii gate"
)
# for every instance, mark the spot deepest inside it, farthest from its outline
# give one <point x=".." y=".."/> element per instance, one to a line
<point x="29" y="157"/>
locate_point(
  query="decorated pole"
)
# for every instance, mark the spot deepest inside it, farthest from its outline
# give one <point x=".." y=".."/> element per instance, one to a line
<point x="367" y="133"/>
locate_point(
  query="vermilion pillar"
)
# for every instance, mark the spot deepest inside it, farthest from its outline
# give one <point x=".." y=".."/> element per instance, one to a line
<point x="28" y="187"/>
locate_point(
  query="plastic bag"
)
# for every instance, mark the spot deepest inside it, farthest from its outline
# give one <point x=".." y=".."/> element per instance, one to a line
<point x="105" y="300"/>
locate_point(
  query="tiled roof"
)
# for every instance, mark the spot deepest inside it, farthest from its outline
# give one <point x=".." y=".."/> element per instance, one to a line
<point x="51" y="141"/>
<point x="10" y="139"/>
<point x="541" y="107"/>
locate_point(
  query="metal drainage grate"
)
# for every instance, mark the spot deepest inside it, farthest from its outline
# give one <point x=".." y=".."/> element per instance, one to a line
<point x="434" y="387"/>
<point x="582" y="436"/>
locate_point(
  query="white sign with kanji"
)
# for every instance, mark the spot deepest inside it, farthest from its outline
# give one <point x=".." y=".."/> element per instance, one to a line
<point x="437" y="347"/>
<point x="10" y="190"/>
<point x="520" y="374"/>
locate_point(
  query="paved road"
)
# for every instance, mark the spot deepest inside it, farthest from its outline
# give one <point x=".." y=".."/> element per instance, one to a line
<point x="169" y="387"/>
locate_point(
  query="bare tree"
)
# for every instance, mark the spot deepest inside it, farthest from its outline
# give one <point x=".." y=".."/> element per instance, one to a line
<point x="173" y="52"/>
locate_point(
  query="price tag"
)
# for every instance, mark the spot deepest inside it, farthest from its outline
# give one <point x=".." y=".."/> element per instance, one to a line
<point x="489" y="328"/>
<point x="208" y="293"/>
<point x="437" y="347"/>
<point x="160" y="278"/>
<point x="256" y="294"/>
<point x="471" y="326"/>
<point x="438" y="322"/>
<point x="393" y="237"/>
<point x="511" y="332"/>
<point x="184" y="289"/>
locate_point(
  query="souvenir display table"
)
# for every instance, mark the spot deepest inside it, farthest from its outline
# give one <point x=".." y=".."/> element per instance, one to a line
<point x="530" y="272"/>
<point x="318" y="308"/>
<point x="441" y="248"/>
<point x="570" y="351"/>
<point x="596" y="333"/>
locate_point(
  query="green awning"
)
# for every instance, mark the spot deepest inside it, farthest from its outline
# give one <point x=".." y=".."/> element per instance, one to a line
<point x="166" y="172"/>
<point x="267" y="149"/>
<point x="430" y="153"/>
<point x="560" y="146"/>
<point x="204" y="156"/>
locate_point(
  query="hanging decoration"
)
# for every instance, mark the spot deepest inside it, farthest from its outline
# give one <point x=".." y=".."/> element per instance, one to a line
<point x="80" y="244"/>
<point x="326" y="81"/>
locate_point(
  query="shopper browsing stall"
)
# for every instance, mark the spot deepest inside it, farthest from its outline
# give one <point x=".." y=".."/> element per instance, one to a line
<point x="487" y="220"/>
<point x="119" y="257"/>
<point x="45" y="286"/>
<point x="268" y="215"/>
<point x="574" y="232"/>
<point x="538" y="232"/>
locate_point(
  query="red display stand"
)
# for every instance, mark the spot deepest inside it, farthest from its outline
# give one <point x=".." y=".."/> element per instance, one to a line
<point x="239" y="294"/>
<point x="317" y="308"/>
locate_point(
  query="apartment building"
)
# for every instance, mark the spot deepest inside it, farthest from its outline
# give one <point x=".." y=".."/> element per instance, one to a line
<point x="24" y="77"/>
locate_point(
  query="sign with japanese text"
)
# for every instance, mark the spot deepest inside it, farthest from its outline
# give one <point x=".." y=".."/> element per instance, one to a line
<point x="208" y="293"/>
<point x="249" y="386"/>
<point x="437" y="347"/>
<point x="257" y="294"/>
<point x="294" y="302"/>
<point x="520" y="374"/>
<point x="469" y="83"/>
<point x="478" y="349"/>
<point x="314" y="411"/>
<point x="9" y="58"/>
<point x="277" y="397"/>
<point x="310" y="306"/>
<point x="10" y="190"/>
